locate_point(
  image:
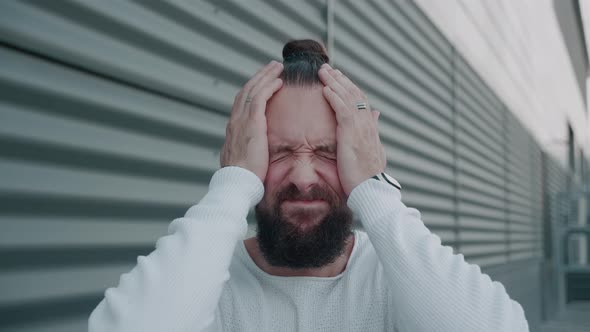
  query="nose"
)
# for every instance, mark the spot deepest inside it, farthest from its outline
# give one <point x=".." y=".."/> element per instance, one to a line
<point x="303" y="174"/>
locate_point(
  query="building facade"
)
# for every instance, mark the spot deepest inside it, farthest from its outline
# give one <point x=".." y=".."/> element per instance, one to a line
<point x="112" y="115"/>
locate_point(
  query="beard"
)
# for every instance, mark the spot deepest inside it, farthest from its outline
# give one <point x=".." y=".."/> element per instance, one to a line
<point x="284" y="243"/>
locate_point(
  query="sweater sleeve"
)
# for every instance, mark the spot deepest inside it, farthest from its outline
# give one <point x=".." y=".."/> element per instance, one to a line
<point x="432" y="288"/>
<point x="177" y="286"/>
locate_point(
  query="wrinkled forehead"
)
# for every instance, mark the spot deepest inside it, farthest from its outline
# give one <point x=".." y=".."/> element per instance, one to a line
<point x="300" y="114"/>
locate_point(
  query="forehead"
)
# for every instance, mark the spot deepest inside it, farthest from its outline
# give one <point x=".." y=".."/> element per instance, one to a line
<point x="300" y="115"/>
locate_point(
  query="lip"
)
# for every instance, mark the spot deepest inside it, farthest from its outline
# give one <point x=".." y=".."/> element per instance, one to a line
<point x="305" y="202"/>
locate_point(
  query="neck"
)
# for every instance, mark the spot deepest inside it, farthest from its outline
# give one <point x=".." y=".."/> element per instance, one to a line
<point x="330" y="270"/>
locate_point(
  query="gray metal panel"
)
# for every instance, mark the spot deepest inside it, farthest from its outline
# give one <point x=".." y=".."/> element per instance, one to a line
<point x="92" y="172"/>
<point x="522" y="227"/>
<point x="481" y="167"/>
<point x="536" y="169"/>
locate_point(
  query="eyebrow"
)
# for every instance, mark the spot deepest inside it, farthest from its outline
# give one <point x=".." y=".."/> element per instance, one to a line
<point x="329" y="148"/>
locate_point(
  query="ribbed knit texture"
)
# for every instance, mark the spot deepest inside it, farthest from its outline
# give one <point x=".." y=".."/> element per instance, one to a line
<point x="399" y="277"/>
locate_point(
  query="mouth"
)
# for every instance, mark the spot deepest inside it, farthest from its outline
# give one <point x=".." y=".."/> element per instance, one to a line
<point x="305" y="203"/>
<point x="305" y="210"/>
<point x="305" y="214"/>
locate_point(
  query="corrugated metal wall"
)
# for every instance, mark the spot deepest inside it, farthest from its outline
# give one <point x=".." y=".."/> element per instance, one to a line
<point x="555" y="184"/>
<point x="112" y="114"/>
<point x="482" y="162"/>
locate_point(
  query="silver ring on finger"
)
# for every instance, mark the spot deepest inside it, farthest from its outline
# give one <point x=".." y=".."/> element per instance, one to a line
<point x="361" y="105"/>
<point x="248" y="99"/>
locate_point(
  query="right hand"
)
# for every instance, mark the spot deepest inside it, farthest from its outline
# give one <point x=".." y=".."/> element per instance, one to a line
<point x="246" y="142"/>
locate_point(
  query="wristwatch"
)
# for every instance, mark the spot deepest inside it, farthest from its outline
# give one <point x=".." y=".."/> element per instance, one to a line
<point x="387" y="179"/>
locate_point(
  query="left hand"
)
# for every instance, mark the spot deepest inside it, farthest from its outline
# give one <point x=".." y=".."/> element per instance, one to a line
<point x="360" y="154"/>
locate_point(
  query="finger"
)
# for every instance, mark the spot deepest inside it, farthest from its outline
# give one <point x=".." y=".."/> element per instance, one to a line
<point x="328" y="79"/>
<point x="347" y="84"/>
<point x="242" y="96"/>
<point x="269" y="76"/>
<point x="336" y="102"/>
<point x="335" y="85"/>
<point x="259" y="74"/>
<point x="258" y="104"/>
<point x="245" y="92"/>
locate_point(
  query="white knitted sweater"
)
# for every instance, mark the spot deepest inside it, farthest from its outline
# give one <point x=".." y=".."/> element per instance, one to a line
<point x="399" y="276"/>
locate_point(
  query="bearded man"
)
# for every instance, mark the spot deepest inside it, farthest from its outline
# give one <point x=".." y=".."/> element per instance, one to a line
<point x="302" y="146"/>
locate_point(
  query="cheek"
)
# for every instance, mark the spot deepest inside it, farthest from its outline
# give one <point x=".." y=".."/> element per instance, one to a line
<point x="275" y="175"/>
<point x="329" y="173"/>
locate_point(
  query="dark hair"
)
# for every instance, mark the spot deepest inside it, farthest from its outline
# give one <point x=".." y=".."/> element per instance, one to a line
<point x="301" y="61"/>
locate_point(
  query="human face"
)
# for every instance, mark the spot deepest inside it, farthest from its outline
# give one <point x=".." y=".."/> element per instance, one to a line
<point x="302" y="148"/>
<point x="303" y="220"/>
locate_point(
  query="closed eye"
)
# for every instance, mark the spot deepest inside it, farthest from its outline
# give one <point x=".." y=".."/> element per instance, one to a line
<point x="279" y="157"/>
<point x="328" y="157"/>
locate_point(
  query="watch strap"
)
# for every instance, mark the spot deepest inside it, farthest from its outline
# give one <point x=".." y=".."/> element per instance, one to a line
<point x="387" y="179"/>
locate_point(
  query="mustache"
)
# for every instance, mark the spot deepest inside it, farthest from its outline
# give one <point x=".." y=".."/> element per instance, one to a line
<point x="315" y="193"/>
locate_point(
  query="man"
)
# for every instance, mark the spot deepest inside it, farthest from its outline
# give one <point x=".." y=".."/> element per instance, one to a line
<point x="303" y="146"/>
